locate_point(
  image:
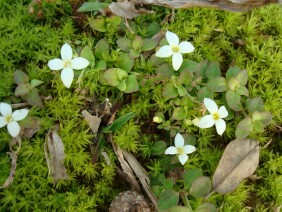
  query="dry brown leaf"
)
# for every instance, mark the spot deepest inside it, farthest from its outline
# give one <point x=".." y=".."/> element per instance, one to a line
<point x="55" y="159"/>
<point x="239" y="160"/>
<point x="14" y="156"/>
<point x="92" y="121"/>
<point x="126" y="9"/>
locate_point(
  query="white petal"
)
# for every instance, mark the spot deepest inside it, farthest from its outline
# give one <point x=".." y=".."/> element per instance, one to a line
<point x="171" y="150"/>
<point x="20" y="114"/>
<point x="220" y="126"/>
<point x="222" y="112"/>
<point x="183" y="158"/>
<point x="177" y="60"/>
<point x="3" y="121"/>
<point x="56" y="64"/>
<point x="206" y="122"/>
<point x="5" y="109"/>
<point x="172" y="38"/>
<point x="186" y="47"/>
<point x="178" y="140"/>
<point x="210" y="105"/>
<point x="67" y="76"/>
<point x="79" y="63"/>
<point x="66" y="52"/>
<point x="164" y="51"/>
<point x="13" y="128"/>
<point x="189" y="149"/>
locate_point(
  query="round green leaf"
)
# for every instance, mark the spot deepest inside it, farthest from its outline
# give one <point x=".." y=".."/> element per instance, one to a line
<point x="137" y="43"/>
<point x="102" y="49"/>
<point x="264" y="117"/>
<point x="185" y="78"/>
<point x="112" y="77"/>
<point x="124" y="44"/>
<point x="179" y="113"/>
<point x="165" y="70"/>
<point x="33" y="98"/>
<point x="20" y="77"/>
<point x="168" y="199"/>
<point x="131" y="84"/>
<point x="255" y="104"/>
<point x="206" y="207"/>
<point x="181" y="90"/>
<point x="233" y="100"/>
<point x="200" y="187"/>
<point x="179" y="209"/>
<point x="244" y="128"/>
<point x="87" y="53"/>
<point x="213" y="70"/>
<point x="125" y="62"/>
<point x="232" y="72"/>
<point x="204" y="92"/>
<point x="190" y="175"/>
<point x="242" y="77"/>
<point x="217" y="84"/>
<point x="22" y="89"/>
<point x="122" y="86"/>
<point x="159" y="148"/>
<point x="242" y="90"/>
<point x="98" y="24"/>
<point x="149" y="44"/>
<point x="170" y="91"/>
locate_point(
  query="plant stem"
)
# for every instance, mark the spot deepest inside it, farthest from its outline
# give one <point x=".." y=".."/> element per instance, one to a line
<point x="185" y="200"/>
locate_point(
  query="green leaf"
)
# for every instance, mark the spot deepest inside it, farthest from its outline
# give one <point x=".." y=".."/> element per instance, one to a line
<point x="233" y="100"/>
<point x="102" y="49"/>
<point x="206" y="207"/>
<point x="217" y="84"/>
<point x="179" y="113"/>
<point x="185" y="78"/>
<point x="244" y="128"/>
<point x="137" y="43"/>
<point x="179" y="209"/>
<point x="149" y="44"/>
<point x="190" y="175"/>
<point x="125" y="62"/>
<point x="35" y="82"/>
<point x="159" y="148"/>
<point x="181" y="90"/>
<point x="92" y="6"/>
<point x="170" y="91"/>
<point x="122" y="85"/>
<point x="22" y="89"/>
<point x="232" y="72"/>
<point x="264" y="117"/>
<point x="233" y="84"/>
<point x="133" y="53"/>
<point x="168" y="199"/>
<point x="186" y="101"/>
<point x="153" y="29"/>
<point x="122" y="74"/>
<point x="204" y="92"/>
<point x="200" y="187"/>
<point x="118" y="123"/>
<point x="98" y="25"/>
<point x="124" y="44"/>
<point x="131" y="84"/>
<point x="165" y="70"/>
<point x="157" y="190"/>
<point x="157" y="180"/>
<point x="242" y="90"/>
<point x="87" y="53"/>
<point x="20" y="77"/>
<point x="188" y="65"/>
<point x="112" y="77"/>
<point x="242" y="77"/>
<point x="114" y="20"/>
<point x="255" y="104"/>
<point x="200" y="70"/>
<point x="213" y="70"/>
<point x="258" y="126"/>
<point x="33" y="98"/>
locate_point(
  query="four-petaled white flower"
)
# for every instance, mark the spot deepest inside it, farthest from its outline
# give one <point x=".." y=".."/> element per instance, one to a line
<point x="179" y="149"/>
<point x="67" y="63"/>
<point x="175" y="49"/>
<point x="10" y="119"/>
<point x="215" y="118"/>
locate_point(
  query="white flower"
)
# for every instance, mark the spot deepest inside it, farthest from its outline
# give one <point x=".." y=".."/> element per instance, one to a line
<point x="175" y="49"/>
<point x="67" y="63"/>
<point x="215" y="118"/>
<point x="10" y="119"/>
<point x="179" y="149"/>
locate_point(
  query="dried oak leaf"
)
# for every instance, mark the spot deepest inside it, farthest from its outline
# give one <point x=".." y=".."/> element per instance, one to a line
<point x="56" y="156"/>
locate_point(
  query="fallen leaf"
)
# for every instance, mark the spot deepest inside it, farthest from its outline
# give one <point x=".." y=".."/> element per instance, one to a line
<point x="14" y="156"/>
<point x="126" y="9"/>
<point x="92" y="121"/>
<point x="56" y="156"/>
<point x="239" y="160"/>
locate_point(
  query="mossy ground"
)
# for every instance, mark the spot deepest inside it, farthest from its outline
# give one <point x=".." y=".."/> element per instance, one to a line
<point x="250" y="40"/>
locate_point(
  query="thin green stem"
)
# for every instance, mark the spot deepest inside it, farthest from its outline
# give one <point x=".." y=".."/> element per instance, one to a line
<point x="185" y="200"/>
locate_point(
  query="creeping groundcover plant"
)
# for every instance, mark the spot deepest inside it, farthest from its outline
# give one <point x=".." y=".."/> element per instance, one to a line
<point x="154" y="122"/>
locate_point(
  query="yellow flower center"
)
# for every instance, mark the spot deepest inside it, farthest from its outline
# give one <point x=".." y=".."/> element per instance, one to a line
<point x="180" y="151"/>
<point x="9" y="118"/>
<point x="67" y="64"/>
<point x="175" y="49"/>
<point x="215" y="116"/>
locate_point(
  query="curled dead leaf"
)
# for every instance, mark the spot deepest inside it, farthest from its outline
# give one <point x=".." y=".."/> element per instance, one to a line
<point x="55" y="159"/>
<point x="92" y="121"/>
